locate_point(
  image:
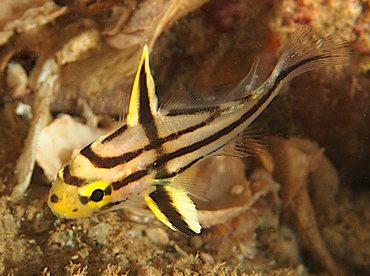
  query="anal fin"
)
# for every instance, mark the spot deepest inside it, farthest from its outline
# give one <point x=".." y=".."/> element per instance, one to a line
<point x="172" y="206"/>
<point x="244" y="145"/>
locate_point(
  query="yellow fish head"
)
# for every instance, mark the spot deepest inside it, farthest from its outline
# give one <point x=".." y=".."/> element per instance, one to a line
<point x="70" y="201"/>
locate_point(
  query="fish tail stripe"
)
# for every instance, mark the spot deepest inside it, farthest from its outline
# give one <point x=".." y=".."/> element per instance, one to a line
<point x="284" y="73"/>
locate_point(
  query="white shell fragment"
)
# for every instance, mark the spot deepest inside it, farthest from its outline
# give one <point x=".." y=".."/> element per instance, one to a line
<point x="229" y="193"/>
<point x="16" y="79"/>
<point x="59" y="141"/>
<point x="47" y="83"/>
<point x="78" y="47"/>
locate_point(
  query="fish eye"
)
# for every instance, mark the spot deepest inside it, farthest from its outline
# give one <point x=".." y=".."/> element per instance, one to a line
<point x="95" y="194"/>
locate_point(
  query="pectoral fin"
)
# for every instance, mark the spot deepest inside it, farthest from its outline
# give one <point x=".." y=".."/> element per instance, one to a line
<point x="174" y="208"/>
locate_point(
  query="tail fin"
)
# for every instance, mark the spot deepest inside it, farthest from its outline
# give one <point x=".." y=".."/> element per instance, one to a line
<point x="308" y="49"/>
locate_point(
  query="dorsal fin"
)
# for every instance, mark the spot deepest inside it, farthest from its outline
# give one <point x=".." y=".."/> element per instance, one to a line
<point x="143" y="102"/>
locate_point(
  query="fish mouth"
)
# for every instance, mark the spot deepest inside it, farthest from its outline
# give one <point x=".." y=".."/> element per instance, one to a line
<point x="53" y="205"/>
<point x="59" y="214"/>
<point x="60" y="206"/>
<point x="65" y="214"/>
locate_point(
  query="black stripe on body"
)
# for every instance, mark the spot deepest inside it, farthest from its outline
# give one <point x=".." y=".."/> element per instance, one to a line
<point x="162" y="174"/>
<point x="196" y="146"/>
<point x="199" y="110"/>
<point x="191" y="111"/>
<point x="111" y="204"/>
<point x="110" y="162"/>
<point x="160" y="163"/>
<point x="214" y="137"/>
<point x="166" y="206"/>
<point x="115" y="134"/>
<point x="128" y="179"/>
<point x="246" y="99"/>
<point x="70" y="179"/>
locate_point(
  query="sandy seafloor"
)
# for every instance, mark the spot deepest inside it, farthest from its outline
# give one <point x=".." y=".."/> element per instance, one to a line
<point x="305" y="206"/>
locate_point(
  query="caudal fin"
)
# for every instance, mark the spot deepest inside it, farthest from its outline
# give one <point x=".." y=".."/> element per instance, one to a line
<point x="308" y="49"/>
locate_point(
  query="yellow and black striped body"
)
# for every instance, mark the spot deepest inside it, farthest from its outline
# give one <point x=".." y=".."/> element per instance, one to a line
<point x="146" y="156"/>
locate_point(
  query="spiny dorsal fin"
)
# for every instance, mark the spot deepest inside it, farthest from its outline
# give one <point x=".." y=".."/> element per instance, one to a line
<point x="143" y="102"/>
<point x="174" y="208"/>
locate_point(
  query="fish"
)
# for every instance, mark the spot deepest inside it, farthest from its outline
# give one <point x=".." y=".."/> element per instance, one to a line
<point x="148" y="155"/>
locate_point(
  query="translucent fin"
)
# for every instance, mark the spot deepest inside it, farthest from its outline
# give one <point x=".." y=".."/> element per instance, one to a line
<point x="125" y="100"/>
<point x="202" y="97"/>
<point x="143" y="102"/>
<point x="174" y="208"/>
<point x="194" y="186"/>
<point x="198" y="97"/>
<point x="183" y="99"/>
<point x="308" y="49"/>
<point x="244" y="145"/>
<point x="248" y="84"/>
